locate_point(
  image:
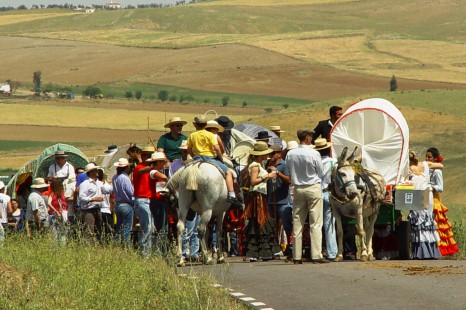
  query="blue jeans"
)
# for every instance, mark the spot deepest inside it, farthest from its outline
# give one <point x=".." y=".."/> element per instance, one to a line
<point x="125" y="215"/>
<point x="211" y="159"/>
<point x="189" y="238"/>
<point x="160" y="214"/>
<point x="329" y="227"/>
<point x="144" y="215"/>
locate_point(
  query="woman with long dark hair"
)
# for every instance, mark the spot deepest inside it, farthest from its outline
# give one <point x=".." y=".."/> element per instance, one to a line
<point x="447" y="244"/>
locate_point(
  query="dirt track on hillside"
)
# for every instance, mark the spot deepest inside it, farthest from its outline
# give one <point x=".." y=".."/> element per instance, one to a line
<point x="227" y="68"/>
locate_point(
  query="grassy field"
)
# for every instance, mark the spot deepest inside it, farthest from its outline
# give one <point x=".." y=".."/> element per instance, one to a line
<point x="41" y="274"/>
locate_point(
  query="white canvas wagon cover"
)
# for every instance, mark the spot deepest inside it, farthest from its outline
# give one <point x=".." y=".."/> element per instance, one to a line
<point x="379" y="129"/>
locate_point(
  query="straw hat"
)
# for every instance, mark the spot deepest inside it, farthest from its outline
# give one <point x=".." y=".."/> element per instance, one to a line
<point x="322" y="143"/>
<point x="261" y="148"/>
<point x="60" y="153"/>
<point x="214" y="124"/>
<point x="184" y="145"/>
<point x="225" y="122"/>
<point x="292" y="145"/>
<point x="2" y="185"/>
<point x="122" y="162"/>
<point x="39" y="183"/>
<point x="148" y="149"/>
<point x="276" y="128"/>
<point x="175" y="120"/>
<point x="201" y="119"/>
<point x="90" y="166"/>
<point x="157" y="156"/>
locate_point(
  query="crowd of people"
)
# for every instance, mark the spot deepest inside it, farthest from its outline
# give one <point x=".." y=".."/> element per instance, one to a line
<point x="279" y="197"/>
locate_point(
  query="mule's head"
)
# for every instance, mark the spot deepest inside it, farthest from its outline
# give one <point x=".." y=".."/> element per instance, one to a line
<point x="345" y="178"/>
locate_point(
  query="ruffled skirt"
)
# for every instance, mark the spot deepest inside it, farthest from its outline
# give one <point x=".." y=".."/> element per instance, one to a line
<point x="258" y="236"/>
<point x="424" y="235"/>
<point x="447" y="243"/>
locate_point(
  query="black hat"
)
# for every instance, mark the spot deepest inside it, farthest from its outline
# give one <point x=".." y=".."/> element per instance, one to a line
<point x="111" y="148"/>
<point x="225" y="122"/>
<point x="262" y="135"/>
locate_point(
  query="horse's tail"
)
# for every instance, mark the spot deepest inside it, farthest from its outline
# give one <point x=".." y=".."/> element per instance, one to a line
<point x="191" y="177"/>
<point x="174" y="182"/>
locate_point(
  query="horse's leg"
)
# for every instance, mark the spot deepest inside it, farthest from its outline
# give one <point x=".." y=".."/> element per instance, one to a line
<point x="202" y="234"/>
<point x="369" y="226"/>
<point x="337" y="215"/>
<point x="180" y="227"/>
<point x="362" y="234"/>
<point x="218" y="228"/>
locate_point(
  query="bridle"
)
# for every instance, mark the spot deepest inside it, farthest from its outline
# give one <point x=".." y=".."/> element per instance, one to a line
<point x="340" y="183"/>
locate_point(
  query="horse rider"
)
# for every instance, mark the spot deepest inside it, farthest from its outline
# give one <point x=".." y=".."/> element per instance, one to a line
<point x="170" y="142"/>
<point x="201" y="145"/>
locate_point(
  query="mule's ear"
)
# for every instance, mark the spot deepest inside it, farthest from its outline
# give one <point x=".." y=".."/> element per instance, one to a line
<point x="343" y="155"/>
<point x="351" y="157"/>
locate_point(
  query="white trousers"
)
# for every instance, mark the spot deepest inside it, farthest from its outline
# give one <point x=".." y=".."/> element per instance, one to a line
<point x="307" y="201"/>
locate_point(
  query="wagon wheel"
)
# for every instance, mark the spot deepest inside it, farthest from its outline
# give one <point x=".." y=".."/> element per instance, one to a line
<point x="404" y="240"/>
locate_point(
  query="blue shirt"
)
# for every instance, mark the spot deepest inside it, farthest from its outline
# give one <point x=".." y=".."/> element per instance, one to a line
<point x="281" y="189"/>
<point x="122" y="188"/>
<point x="305" y="166"/>
<point x="81" y="178"/>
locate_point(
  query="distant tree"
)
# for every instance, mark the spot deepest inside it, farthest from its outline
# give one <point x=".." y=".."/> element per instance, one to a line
<point x="48" y="88"/>
<point x="268" y="110"/>
<point x="128" y="94"/>
<point x="138" y="94"/>
<point x="37" y="80"/>
<point x="92" y="91"/>
<point x="285" y="105"/>
<point x="245" y="103"/>
<point x="22" y="7"/>
<point x="393" y="84"/>
<point x="181" y="99"/>
<point x="225" y="101"/>
<point x="173" y="98"/>
<point x="163" y="95"/>
<point x="206" y="101"/>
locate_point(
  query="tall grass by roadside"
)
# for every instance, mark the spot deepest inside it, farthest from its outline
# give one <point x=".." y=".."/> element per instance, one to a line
<point x="41" y="274"/>
<point x="459" y="230"/>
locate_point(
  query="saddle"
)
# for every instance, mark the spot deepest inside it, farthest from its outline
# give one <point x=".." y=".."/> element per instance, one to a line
<point x="213" y="163"/>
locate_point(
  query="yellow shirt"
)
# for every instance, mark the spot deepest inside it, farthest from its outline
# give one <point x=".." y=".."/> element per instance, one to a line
<point x="202" y="142"/>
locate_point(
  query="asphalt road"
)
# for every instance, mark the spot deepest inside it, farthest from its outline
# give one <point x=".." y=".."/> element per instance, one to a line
<point x="348" y="285"/>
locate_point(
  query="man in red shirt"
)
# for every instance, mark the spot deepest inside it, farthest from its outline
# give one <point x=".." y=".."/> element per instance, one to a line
<point x="144" y="191"/>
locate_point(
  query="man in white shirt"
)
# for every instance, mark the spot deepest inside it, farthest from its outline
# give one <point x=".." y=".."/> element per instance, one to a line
<point x="305" y="166"/>
<point x="91" y="200"/>
<point x="5" y="208"/>
<point x="61" y="168"/>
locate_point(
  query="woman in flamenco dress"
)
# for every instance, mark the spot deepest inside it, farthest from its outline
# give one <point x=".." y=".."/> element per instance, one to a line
<point x="447" y="244"/>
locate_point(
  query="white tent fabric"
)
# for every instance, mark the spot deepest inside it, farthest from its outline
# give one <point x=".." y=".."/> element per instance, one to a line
<point x="379" y="129"/>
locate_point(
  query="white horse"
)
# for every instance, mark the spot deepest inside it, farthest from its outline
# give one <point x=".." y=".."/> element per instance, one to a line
<point x="356" y="194"/>
<point x="200" y="187"/>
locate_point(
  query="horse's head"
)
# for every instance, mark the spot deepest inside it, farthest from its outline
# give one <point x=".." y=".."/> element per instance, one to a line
<point x="345" y="176"/>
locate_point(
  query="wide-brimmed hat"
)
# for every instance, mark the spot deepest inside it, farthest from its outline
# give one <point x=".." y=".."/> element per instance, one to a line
<point x="60" y="153"/>
<point x="157" y="156"/>
<point x="175" y="120"/>
<point x="90" y="166"/>
<point x="262" y="135"/>
<point x="122" y="162"/>
<point x="184" y="145"/>
<point x="2" y="185"/>
<point x="214" y="124"/>
<point x="292" y="145"/>
<point x="322" y="143"/>
<point x="276" y="148"/>
<point x="148" y="149"/>
<point x="225" y="122"/>
<point x="39" y="183"/>
<point x="276" y="128"/>
<point x="261" y="148"/>
<point x="111" y="148"/>
<point x="201" y="119"/>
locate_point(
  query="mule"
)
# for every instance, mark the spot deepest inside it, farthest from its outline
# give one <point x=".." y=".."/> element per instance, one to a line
<point x="356" y="193"/>
<point x="201" y="187"/>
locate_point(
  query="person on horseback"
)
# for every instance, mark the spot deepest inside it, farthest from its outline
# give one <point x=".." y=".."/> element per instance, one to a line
<point x="200" y="146"/>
